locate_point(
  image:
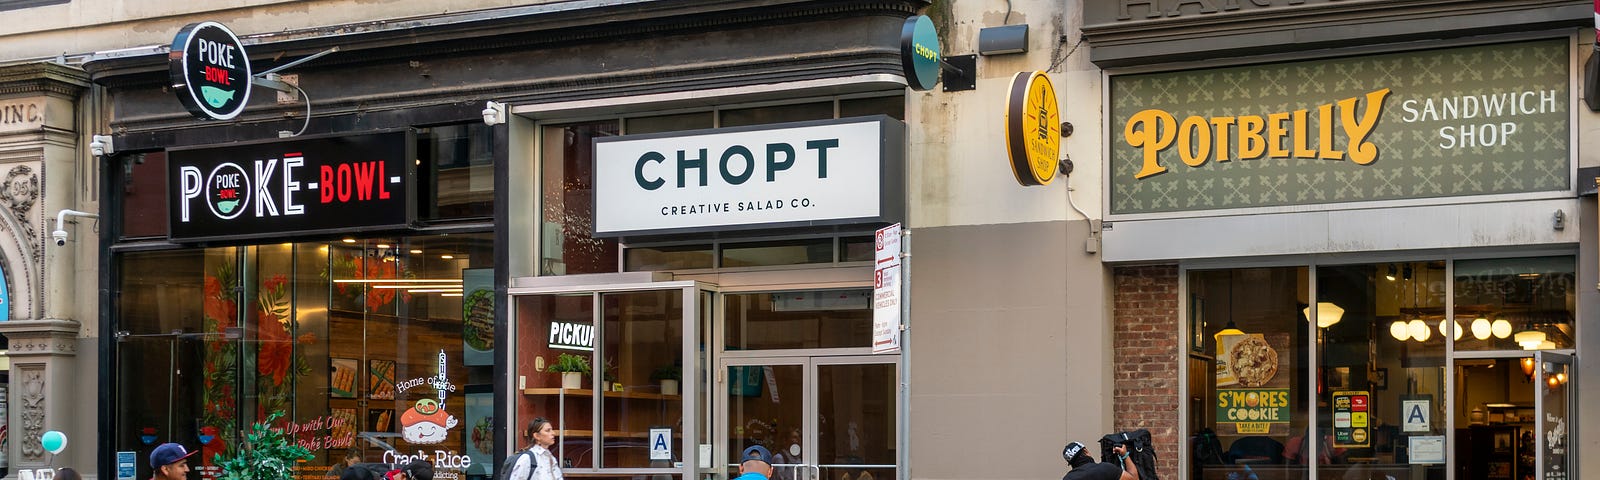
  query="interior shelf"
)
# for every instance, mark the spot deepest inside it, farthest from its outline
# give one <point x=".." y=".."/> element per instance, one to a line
<point x="584" y="392"/>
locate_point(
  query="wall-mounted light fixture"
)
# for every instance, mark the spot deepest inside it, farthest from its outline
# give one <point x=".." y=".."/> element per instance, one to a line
<point x="1003" y="40"/>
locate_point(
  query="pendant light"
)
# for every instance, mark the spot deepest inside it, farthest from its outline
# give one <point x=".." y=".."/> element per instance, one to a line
<point x="1500" y="328"/>
<point x="1446" y="331"/>
<point x="1327" y="314"/>
<point x="1527" y="367"/>
<point x="1230" y="328"/>
<point x="1419" y="330"/>
<point x="1399" y="330"/>
<point x="1481" y="328"/>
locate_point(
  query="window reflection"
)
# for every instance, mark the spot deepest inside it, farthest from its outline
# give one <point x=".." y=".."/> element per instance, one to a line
<point x="1380" y="364"/>
<point x="799" y="319"/>
<point x="1515" y="303"/>
<point x="1247" y="386"/>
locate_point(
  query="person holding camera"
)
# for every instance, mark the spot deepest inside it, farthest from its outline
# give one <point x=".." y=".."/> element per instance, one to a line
<point x="1084" y="467"/>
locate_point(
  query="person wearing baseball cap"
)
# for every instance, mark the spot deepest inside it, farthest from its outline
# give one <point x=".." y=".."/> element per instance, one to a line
<point x="1084" y="468"/>
<point x="755" y="464"/>
<point x="170" y="461"/>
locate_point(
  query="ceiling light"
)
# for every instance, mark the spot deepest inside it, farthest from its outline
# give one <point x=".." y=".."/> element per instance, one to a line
<point x="1399" y="330"/>
<point x="416" y="251"/>
<point x="1527" y="366"/>
<point x="383" y="245"/>
<point x="1481" y="328"/>
<point x="1500" y="328"/>
<point x="349" y="240"/>
<point x="447" y="256"/>
<point x="1391" y="274"/>
<point x="434" y="290"/>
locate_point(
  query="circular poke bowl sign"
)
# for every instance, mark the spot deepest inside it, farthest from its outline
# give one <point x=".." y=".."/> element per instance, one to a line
<point x="210" y="71"/>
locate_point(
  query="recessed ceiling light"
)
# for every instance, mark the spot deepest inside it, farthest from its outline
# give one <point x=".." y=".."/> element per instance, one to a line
<point x="383" y="245"/>
<point x="447" y="256"/>
<point x="416" y="250"/>
<point x="349" y="240"/>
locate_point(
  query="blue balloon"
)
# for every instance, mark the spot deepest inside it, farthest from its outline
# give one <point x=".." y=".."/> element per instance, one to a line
<point x="53" y="441"/>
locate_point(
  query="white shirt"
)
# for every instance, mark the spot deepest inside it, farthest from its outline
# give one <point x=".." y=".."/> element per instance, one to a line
<point x="548" y="469"/>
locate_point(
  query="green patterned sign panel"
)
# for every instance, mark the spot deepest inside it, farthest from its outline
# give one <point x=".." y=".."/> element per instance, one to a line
<point x="1479" y="120"/>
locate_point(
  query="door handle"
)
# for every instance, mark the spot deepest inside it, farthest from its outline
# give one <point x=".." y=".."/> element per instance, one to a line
<point x="816" y="472"/>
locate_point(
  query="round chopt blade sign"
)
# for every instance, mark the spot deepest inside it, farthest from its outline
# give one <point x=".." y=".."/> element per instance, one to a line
<point x="210" y="71"/>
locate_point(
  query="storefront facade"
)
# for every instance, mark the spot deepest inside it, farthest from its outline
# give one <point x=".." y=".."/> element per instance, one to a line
<point x="407" y="277"/>
<point x="1384" y="249"/>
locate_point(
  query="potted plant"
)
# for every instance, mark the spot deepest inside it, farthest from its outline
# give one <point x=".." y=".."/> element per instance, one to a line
<point x="266" y="454"/>
<point x="609" y="376"/>
<point x="572" y="369"/>
<point x="668" y="377"/>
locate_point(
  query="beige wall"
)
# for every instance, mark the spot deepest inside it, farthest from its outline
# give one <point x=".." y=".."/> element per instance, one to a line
<point x="959" y="174"/>
<point x="1010" y="326"/>
<point x="86" y="26"/>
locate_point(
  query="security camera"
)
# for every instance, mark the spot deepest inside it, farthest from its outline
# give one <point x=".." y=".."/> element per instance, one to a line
<point x="60" y="234"/>
<point x="101" y="146"/>
<point x="494" y="113"/>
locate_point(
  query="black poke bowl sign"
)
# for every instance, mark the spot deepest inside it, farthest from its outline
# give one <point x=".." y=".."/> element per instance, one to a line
<point x="210" y="71"/>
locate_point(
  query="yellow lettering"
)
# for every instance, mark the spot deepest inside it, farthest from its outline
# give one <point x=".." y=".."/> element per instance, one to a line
<point x="1302" y="135"/>
<point x="1275" y="133"/>
<point x="1194" y="149"/>
<point x="1251" y="145"/>
<point x="1154" y="131"/>
<point x="1222" y="124"/>
<point x="1325" y="149"/>
<point x="1360" y="150"/>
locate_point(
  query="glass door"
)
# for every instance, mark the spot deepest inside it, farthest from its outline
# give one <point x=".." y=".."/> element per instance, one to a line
<point x="615" y="369"/>
<point x="822" y="418"/>
<point x="1553" y="420"/>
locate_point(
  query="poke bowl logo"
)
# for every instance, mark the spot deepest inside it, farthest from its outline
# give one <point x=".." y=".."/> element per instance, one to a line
<point x="227" y="192"/>
<point x="210" y="71"/>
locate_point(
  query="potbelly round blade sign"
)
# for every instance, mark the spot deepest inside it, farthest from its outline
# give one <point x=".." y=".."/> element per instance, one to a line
<point x="1033" y="132"/>
<point x="209" y="71"/>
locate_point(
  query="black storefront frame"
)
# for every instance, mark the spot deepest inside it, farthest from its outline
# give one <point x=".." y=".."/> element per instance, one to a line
<point x="111" y="205"/>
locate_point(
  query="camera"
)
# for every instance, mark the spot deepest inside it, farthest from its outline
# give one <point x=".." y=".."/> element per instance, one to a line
<point x="60" y="236"/>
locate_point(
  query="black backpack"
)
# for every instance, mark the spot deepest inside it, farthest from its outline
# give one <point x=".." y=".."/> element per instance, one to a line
<point x="511" y="461"/>
<point x="1139" y="450"/>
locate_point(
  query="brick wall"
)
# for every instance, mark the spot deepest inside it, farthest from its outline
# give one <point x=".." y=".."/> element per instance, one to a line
<point x="1145" y="343"/>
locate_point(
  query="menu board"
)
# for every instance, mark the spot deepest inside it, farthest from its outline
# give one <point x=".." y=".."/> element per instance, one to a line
<point x="1350" y="417"/>
<point x="1252" y="398"/>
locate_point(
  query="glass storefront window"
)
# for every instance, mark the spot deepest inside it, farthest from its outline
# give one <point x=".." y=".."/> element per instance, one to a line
<point x="568" y="245"/>
<point x="370" y="348"/>
<point x="1515" y="303"/>
<point x="1248" y="361"/>
<point x="456" y="166"/>
<point x="798" y="319"/>
<point x="1381" y="362"/>
<point x="643" y="346"/>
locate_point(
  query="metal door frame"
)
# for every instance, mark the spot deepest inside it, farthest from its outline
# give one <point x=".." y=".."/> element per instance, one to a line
<point x="692" y="325"/>
<point x="809" y="365"/>
<point x="1540" y="358"/>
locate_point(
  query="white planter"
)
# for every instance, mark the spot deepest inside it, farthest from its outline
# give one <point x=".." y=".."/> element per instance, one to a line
<point x="571" y="380"/>
<point x="669" y="387"/>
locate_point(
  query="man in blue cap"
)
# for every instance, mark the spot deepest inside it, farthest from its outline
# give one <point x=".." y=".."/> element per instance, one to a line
<point x="755" y="464"/>
<point x="170" y="461"/>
